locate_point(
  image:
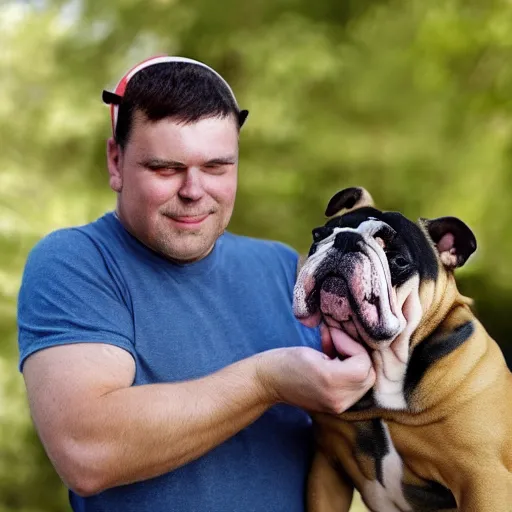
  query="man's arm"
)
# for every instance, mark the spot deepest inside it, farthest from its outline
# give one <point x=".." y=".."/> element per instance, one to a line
<point x="100" y="432"/>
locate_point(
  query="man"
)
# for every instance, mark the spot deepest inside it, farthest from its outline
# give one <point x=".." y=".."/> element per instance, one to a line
<point x="164" y="367"/>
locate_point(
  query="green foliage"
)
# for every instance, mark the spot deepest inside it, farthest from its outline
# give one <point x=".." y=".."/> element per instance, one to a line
<point x="410" y="99"/>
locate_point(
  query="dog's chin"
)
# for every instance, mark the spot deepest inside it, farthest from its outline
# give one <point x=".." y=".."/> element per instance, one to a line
<point x="379" y="339"/>
<point x="367" y="318"/>
<point x="353" y="329"/>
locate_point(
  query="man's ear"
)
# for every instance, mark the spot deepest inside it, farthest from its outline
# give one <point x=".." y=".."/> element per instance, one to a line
<point x="114" y="167"/>
<point x="348" y="199"/>
<point x="454" y="240"/>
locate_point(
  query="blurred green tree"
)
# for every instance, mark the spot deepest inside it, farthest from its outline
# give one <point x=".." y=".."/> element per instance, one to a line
<point x="407" y="98"/>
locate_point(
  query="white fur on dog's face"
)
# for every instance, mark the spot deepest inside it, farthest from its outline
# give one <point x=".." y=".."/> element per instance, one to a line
<point x="352" y="289"/>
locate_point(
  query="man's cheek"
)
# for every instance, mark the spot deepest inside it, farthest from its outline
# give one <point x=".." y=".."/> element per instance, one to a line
<point x="156" y="193"/>
<point x="227" y="193"/>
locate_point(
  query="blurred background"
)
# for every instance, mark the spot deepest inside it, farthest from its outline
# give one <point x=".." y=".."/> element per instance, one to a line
<point x="410" y="99"/>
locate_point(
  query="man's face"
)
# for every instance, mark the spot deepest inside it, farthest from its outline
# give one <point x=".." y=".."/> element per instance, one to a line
<point x="176" y="183"/>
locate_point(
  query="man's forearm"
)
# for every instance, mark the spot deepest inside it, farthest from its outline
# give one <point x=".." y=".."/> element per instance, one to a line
<point x="101" y="432"/>
<point x="140" y="432"/>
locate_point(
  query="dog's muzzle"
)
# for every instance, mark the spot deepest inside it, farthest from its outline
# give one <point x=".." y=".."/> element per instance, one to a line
<point x="348" y="283"/>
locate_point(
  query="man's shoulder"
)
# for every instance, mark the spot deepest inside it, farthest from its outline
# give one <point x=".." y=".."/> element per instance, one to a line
<point x="261" y="247"/>
<point x="65" y="241"/>
<point x="67" y="244"/>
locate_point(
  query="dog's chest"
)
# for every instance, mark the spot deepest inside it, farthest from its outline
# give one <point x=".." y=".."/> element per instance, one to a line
<point x="382" y="468"/>
<point x="384" y="482"/>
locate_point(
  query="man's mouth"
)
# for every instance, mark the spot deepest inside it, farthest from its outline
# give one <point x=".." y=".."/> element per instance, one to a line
<point x="188" y="221"/>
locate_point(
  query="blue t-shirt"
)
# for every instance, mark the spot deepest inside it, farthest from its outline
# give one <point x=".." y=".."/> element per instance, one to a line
<point x="97" y="283"/>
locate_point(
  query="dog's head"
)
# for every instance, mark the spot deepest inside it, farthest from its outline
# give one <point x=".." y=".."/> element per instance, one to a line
<point x="366" y="268"/>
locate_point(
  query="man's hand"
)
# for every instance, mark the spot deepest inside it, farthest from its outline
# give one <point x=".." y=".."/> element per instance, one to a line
<point x="315" y="381"/>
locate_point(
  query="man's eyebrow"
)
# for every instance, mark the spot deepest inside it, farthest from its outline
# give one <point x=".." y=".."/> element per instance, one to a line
<point x="160" y="162"/>
<point x="227" y="160"/>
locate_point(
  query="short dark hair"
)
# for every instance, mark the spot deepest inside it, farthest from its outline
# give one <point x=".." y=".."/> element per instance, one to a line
<point x="179" y="90"/>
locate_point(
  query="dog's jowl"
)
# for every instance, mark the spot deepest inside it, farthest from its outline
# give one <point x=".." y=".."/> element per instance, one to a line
<point x="435" y="432"/>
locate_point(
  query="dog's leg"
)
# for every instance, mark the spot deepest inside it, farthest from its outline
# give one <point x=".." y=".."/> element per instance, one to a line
<point x="328" y="491"/>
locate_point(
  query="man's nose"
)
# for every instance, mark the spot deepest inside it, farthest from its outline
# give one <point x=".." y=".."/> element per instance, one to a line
<point x="192" y="187"/>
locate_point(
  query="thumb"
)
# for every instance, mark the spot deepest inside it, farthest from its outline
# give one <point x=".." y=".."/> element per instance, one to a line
<point x="344" y="344"/>
<point x="357" y="368"/>
<point x="327" y="344"/>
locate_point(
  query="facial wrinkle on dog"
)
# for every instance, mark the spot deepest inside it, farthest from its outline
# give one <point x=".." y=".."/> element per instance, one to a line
<point x="391" y="362"/>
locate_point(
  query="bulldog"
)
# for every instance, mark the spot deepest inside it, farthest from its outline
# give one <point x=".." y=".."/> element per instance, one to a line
<point x="435" y="431"/>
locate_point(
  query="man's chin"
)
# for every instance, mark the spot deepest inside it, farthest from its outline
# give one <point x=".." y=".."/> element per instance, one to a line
<point x="189" y="244"/>
<point x="185" y="257"/>
<point x="185" y="248"/>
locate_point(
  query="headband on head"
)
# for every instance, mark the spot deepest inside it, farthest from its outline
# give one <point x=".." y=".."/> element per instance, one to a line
<point x="115" y="98"/>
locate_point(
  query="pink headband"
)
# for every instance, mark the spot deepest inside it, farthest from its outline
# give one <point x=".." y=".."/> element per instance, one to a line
<point x="114" y="98"/>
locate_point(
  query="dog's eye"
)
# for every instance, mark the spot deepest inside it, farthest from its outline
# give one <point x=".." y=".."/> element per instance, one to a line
<point x="400" y="261"/>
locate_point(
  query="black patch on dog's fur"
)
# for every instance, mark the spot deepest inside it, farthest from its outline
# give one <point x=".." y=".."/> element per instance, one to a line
<point x="429" y="498"/>
<point x="346" y="242"/>
<point x="464" y="242"/>
<point x="410" y="235"/>
<point x="431" y="350"/>
<point x="418" y="243"/>
<point x="346" y="198"/>
<point x="371" y="440"/>
<point x="319" y="234"/>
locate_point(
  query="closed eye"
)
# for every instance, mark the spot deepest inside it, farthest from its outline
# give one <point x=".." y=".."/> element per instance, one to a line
<point x="165" y="171"/>
<point x="159" y="165"/>
<point x="215" y="168"/>
<point x="161" y="168"/>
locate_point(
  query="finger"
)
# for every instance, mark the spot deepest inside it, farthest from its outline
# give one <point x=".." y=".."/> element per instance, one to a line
<point x="356" y="369"/>
<point x="356" y="395"/>
<point x="327" y="344"/>
<point x="369" y="382"/>
<point x="372" y="377"/>
<point x="344" y="344"/>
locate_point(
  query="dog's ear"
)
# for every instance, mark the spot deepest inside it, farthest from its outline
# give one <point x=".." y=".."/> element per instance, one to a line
<point x="348" y="199"/>
<point x="454" y="240"/>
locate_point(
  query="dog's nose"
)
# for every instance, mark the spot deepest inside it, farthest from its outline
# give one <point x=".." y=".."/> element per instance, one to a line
<point x="348" y="242"/>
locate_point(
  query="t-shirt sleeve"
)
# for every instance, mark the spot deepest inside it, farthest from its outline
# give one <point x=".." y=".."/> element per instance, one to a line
<point x="69" y="295"/>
